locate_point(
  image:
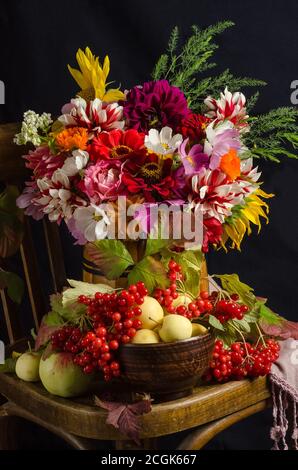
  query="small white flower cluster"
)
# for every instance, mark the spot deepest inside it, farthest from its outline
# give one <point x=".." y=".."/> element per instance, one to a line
<point x="32" y="126"/>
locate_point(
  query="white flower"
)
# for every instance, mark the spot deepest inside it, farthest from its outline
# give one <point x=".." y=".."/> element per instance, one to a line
<point x="32" y="126"/>
<point x="74" y="164"/>
<point x="229" y="106"/>
<point x="92" y="222"/>
<point x="95" y="115"/>
<point x="163" y="142"/>
<point x="56" y="196"/>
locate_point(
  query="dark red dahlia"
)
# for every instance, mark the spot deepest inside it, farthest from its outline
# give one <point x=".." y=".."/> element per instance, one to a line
<point x="212" y="233"/>
<point x="149" y="176"/>
<point x="155" y="105"/>
<point x="193" y="127"/>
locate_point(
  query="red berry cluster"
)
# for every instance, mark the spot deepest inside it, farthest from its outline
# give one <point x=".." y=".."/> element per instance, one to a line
<point x="225" y="309"/>
<point x="114" y="320"/>
<point x="67" y="339"/>
<point x="241" y="360"/>
<point x="166" y="296"/>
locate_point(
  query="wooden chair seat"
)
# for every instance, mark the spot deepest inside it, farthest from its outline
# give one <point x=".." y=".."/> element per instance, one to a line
<point x="82" y="418"/>
<point x="221" y="405"/>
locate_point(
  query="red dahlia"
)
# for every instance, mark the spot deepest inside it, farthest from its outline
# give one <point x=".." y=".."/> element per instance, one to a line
<point x="193" y="127"/>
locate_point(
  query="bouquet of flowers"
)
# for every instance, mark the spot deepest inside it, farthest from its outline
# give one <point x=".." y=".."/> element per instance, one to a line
<point x="175" y="140"/>
<point x="161" y="142"/>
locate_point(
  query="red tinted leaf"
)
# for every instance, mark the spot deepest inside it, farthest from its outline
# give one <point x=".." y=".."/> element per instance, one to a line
<point x="285" y="329"/>
<point x="124" y="416"/>
<point x="44" y="334"/>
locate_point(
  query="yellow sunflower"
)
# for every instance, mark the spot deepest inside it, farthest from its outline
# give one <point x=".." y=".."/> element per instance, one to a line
<point x="92" y="77"/>
<point x="240" y="223"/>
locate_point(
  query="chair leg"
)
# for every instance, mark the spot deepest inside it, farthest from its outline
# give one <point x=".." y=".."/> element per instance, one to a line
<point x="9" y="410"/>
<point x="201" y="436"/>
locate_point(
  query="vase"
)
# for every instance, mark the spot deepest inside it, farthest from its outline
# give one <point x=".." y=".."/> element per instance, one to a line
<point x="93" y="275"/>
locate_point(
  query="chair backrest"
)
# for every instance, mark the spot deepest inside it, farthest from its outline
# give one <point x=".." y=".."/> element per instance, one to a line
<point x="13" y="171"/>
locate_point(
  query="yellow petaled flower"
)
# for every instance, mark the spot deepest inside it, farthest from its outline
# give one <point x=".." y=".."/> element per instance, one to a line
<point x="72" y="138"/>
<point x="92" y="77"/>
<point x="254" y="208"/>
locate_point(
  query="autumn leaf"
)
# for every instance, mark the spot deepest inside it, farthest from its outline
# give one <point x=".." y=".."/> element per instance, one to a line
<point x="124" y="416"/>
<point x="44" y="333"/>
<point x="284" y="329"/>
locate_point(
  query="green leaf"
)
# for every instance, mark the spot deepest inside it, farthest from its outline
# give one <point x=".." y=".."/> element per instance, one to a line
<point x="271" y="318"/>
<point x="190" y="261"/>
<point x="110" y="256"/>
<point x="9" y="366"/>
<point x="53" y="319"/>
<point x="70" y="295"/>
<point x="213" y="321"/>
<point x="154" y="246"/>
<point x="150" y="271"/>
<point x="232" y="284"/>
<point x="14" y="285"/>
<point x="243" y="325"/>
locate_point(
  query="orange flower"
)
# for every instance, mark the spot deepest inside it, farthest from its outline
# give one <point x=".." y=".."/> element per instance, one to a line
<point x="72" y="138"/>
<point x="230" y="164"/>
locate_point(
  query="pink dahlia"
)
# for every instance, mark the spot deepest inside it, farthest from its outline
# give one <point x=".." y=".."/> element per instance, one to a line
<point x="27" y="201"/>
<point x="95" y="115"/>
<point x="155" y="105"/>
<point x="102" y="181"/>
<point x="42" y="162"/>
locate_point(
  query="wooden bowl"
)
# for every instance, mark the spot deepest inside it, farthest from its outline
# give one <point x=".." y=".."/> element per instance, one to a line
<point x="166" y="370"/>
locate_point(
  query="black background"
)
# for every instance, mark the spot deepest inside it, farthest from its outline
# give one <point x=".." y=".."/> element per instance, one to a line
<point x="38" y="39"/>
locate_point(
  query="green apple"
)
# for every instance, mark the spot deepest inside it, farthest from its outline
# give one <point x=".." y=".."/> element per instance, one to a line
<point x="182" y="299"/>
<point x="152" y="313"/>
<point x="198" y="330"/>
<point x="175" y="328"/>
<point x="145" y="336"/>
<point x="61" y="377"/>
<point x="27" y="366"/>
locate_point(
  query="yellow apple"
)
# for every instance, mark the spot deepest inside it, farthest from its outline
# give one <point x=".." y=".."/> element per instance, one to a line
<point x="152" y="313"/>
<point x="145" y="336"/>
<point x="182" y="299"/>
<point x="27" y="366"/>
<point x="175" y="328"/>
<point x="198" y="330"/>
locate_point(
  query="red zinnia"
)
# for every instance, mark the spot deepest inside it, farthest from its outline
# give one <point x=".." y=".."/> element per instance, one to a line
<point x="117" y="144"/>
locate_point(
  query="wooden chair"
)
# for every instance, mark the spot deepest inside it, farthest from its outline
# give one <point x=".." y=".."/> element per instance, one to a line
<point x="209" y="410"/>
